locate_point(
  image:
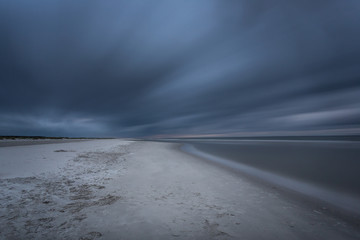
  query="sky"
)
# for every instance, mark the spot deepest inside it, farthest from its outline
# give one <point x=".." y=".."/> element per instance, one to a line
<point x="179" y="67"/>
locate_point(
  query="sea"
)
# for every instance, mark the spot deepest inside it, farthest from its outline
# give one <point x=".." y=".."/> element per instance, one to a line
<point x="323" y="167"/>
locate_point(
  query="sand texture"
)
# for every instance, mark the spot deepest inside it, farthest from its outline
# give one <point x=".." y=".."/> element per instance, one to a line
<point x="115" y="189"/>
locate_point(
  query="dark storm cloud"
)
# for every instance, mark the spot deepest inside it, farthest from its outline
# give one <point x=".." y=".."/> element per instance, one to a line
<point x="135" y="68"/>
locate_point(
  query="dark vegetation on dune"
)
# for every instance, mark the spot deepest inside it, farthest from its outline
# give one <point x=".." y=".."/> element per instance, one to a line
<point x="44" y="137"/>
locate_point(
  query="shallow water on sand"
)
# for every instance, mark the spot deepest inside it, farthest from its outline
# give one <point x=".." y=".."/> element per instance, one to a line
<point x="332" y="166"/>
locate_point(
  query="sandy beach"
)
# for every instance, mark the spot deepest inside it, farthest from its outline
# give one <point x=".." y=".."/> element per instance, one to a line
<point x="118" y="189"/>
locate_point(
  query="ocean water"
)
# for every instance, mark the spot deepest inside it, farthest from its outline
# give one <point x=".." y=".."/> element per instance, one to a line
<point x="328" y="170"/>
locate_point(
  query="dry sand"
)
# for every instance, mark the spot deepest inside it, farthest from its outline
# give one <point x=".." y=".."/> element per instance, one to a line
<point x="115" y="189"/>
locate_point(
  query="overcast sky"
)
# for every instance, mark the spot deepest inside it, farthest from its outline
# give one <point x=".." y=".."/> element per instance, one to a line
<point x="178" y="67"/>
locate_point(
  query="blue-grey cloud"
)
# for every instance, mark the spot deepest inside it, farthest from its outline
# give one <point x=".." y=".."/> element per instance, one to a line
<point x="137" y="68"/>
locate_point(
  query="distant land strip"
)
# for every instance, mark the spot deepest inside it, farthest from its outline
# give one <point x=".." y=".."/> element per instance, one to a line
<point x="44" y="137"/>
<point x="284" y="138"/>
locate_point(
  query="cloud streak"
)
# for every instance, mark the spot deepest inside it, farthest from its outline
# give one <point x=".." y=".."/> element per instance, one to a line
<point x="141" y="68"/>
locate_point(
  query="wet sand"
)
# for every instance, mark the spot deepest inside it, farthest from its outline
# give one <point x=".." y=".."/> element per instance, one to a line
<point x="114" y="189"/>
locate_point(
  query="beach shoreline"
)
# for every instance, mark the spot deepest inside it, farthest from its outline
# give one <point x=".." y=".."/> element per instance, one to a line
<point x="335" y="198"/>
<point x="116" y="189"/>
